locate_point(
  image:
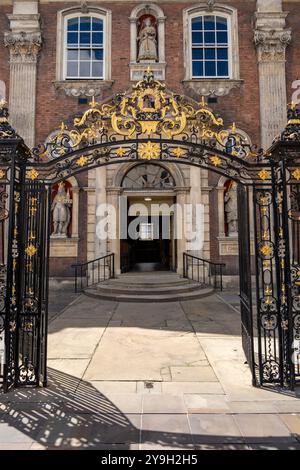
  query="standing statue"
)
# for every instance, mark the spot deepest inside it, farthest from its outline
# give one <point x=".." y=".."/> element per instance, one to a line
<point x="147" y="49"/>
<point x="61" y="214"/>
<point x="231" y="210"/>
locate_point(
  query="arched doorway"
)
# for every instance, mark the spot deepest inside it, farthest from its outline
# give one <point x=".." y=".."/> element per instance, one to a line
<point x="171" y="131"/>
<point x="150" y="192"/>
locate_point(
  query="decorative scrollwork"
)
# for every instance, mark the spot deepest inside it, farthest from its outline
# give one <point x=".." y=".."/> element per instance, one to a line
<point x="270" y="371"/>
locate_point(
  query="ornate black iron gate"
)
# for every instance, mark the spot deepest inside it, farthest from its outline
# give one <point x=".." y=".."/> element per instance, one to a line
<point x="173" y="130"/>
<point x="245" y="278"/>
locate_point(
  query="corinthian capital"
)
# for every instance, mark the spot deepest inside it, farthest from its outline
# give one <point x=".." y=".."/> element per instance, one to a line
<point x="23" y="46"/>
<point x="271" y="44"/>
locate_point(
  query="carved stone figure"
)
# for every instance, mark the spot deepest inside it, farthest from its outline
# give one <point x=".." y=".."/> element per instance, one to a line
<point x="61" y="213"/>
<point x="147" y="46"/>
<point x="231" y="212"/>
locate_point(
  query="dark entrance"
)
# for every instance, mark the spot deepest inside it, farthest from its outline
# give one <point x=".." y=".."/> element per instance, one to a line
<point x="174" y="131"/>
<point x="150" y="251"/>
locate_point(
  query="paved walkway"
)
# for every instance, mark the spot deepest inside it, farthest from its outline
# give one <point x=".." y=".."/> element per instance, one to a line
<point x="148" y="376"/>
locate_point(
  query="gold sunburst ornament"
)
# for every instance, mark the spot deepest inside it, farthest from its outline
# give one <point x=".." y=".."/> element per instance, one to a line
<point x="32" y="174"/>
<point x="266" y="250"/>
<point x="31" y="250"/>
<point x="178" y="152"/>
<point x="120" y="152"/>
<point x="82" y="161"/>
<point x="264" y="174"/>
<point x="296" y="174"/>
<point x="149" y="151"/>
<point x="216" y="161"/>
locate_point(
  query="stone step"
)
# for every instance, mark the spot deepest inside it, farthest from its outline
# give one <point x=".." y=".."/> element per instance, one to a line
<point x="150" y="289"/>
<point x="147" y="297"/>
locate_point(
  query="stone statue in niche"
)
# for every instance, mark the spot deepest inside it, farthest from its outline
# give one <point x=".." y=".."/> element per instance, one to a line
<point x="231" y="210"/>
<point x="147" y="42"/>
<point x="61" y="213"/>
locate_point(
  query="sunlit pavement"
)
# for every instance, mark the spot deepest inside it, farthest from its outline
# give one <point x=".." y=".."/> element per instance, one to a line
<point x="148" y="376"/>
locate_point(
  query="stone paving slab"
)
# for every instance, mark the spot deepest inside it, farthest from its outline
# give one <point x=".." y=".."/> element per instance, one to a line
<point x="263" y="428"/>
<point x="214" y="428"/>
<point x="193" y="374"/>
<point x="159" y="404"/>
<point x="199" y="404"/>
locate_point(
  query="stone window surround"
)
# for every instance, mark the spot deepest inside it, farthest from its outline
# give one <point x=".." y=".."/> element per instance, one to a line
<point x="137" y="68"/>
<point x="212" y="86"/>
<point x="83" y="87"/>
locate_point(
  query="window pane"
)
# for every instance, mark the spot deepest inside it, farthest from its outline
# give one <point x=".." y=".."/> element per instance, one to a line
<point x="97" y="38"/>
<point x="84" y="69"/>
<point x="85" y="24"/>
<point x="197" y="24"/>
<point x="73" y="38"/>
<point x="197" y="53"/>
<point x="210" y="53"/>
<point x="85" y="54"/>
<point x="210" y="69"/>
<point x="72" y="54"/>
<point x="97" y="24"/>
<point x="72" y="69"/>
<point x="73" y="24"/>
<point x="223" y="69"/>
<point x="209" y="23"/>
<point x="85" y="38"/>
<point x="222" y="53"/>
<point x="97" y="54"/>
<point x="197" y="38"/>
<point x="209" y="38"/>
<point x="97" y="69"/>
<point x="221" y="23"/>
<point x="197" y="69"/>
<point x="222" y="38"/>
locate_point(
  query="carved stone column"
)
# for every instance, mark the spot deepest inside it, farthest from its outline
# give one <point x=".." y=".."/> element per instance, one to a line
<point x="271" y="39"/>
<point x="24" y="42"/>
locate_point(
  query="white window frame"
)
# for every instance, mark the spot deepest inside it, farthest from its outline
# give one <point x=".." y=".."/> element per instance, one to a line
<point x="224" y="11"/>
<point x="229" y="45"/>
<point x="61" y="59"/>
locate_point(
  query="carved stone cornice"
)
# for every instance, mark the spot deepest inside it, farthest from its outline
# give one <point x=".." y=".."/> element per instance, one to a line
<point x="86" y="88"/>
<point x="271" y="44"/>
<point x="213" y="87"/>
<point x="23" y="46"/>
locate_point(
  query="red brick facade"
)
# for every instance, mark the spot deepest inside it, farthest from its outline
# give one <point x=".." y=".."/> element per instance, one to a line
<point x="241" y="105"/>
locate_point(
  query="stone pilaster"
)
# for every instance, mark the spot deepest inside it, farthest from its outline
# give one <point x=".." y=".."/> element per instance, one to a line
<point x="24" y="42"/>
<point x="271" y="39"/>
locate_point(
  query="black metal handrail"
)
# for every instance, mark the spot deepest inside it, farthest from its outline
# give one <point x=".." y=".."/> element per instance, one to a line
<point x="203" y="271"/>
<point x="92" y="272"/>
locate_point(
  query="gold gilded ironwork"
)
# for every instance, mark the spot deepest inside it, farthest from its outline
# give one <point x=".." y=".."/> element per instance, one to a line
<point x="296" y="174"/>
<point x="32" y="174"/>
<point x="121" y="151"/>
<point x="266" y="250"/>
<point x="264" y="175"/>
<point x="82" y="161"/>
<point x="149" y="151"/>
<point x="30" y="250"/>
<point x="147" y="110"/>
<point x="216" y="161"/>
<point x="2" y="174"/>
<point x="178" y="152"/>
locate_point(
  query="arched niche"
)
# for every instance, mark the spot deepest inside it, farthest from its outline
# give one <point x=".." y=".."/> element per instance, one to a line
<point x="67" y="247"/>
<point x="157" y="18"/>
